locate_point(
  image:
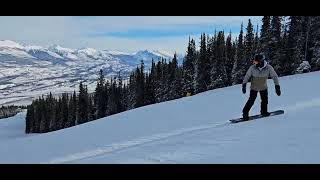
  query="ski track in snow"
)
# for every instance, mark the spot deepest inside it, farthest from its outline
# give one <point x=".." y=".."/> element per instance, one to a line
<point x="132" y="143"/>
<point x="163" y="136"/>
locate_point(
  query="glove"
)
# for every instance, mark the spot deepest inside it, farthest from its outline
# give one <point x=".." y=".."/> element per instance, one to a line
<point x="244" y="88"/>
<point x="278" y="91"/>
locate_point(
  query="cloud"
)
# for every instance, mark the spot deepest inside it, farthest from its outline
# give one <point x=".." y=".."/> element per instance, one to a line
<point x="45" y="29"/>
<point x="119" y="23"/>
<point x="131" y="25"/>
<point x="127" y="33"/>
<point x="172" y="44"/>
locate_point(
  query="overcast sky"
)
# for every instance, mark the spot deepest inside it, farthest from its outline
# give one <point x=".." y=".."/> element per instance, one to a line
<point x="123" y="33"/>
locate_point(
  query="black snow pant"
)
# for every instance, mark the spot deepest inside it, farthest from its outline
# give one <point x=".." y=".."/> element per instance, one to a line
<point x="252" y="98"/>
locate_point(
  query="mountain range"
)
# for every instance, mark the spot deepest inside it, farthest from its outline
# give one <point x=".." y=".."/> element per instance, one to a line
<point x="28" y="71"/>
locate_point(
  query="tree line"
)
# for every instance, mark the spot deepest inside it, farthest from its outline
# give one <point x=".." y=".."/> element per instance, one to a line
<point x="290" y="44"/>
<point x="9" y="111"/>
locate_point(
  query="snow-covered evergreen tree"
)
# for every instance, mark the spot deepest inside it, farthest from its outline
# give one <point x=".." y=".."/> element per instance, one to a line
<point x="203" y="67"/>
<point x="248" y="45"/>
<point x="295" y="43"/>
<point x="72" y="109"/>
<point x="315" y="43"/>
<point x="265" y="36"/>
<point x="189" y="68"/>
<point x="229" y="59"/>
<point x="131" y="91"/>
<point x="283" y="51"/>
<point x="275" y="43"/>
<point x="65" y="110"/>
<point x="82" y="104"/>
<point x="219" y="64"/>
<point x="174" y="81"/>
<point x="239" y="67"/>
<point x="100" y="93"/>
<point x="256" y="43"/>
<point x="149" y="90"/>
<point x="29" y="119"/>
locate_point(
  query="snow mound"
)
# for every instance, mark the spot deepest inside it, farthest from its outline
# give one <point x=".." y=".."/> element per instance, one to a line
<point x="304" y="67"/>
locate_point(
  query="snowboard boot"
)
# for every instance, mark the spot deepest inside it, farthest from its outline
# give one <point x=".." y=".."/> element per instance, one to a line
<point x="245" y="117"/>
<point x="265" y="114"/>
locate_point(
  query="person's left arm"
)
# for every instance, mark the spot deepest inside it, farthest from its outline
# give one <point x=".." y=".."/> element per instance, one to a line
<point x="275" y="78"/>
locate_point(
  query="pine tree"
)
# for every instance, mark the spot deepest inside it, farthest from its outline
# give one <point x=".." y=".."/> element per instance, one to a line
<point x="294" y="54"/>
<point x="106" y="96"/>
<point x="121" y="92"/>
<point x="178" y="83"/>
<point x="256" y="44"/>
<point x="65" y="110"/>
<point x="219" y="64"/>
<point x="29" y="119"/>
<point x="229" y="59"/>
<point x="306" y="27"/>
<point x="100" y="96"/>
<point x="150" y="85"/>
<point x="112" y="106"/>
<point x="72" y="109"/>
<point x="91" y="109"/>
<point x="275" y="43"/>
<point x="265" y="36"/>
<point x="42" y="118"/>
<point x="248" y="43"/>
<point x="212" y="53"/>
<point x="56" y="117"/>
<point x="171" y="76"/>
<point x="131" y="91"/>
<point x="82" y="105"/>
<point x="39" y="111"/>
<point x="239" y="67"/>
<point x="203" y="67"/>
<point x="149" y="98"/>
<point x="174" y="79"/>
<point x="140" y="86"/>
<point x="244" y="54"/>
<point x="52" y="114"/>
<point x="59" y="112"/>
<point x="189" y="69"/>
<point x="47" y="113"/>
<point x="124" y="97"/>
<point x="164" y="84"/>
<point x="315" y="43"/>
<point x="158" y="82"/>
<point x="34" y="117"/>
<point x="283" y="52"/>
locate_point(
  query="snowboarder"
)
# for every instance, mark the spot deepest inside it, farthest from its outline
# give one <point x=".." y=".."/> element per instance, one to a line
<point x="258" y="73"/>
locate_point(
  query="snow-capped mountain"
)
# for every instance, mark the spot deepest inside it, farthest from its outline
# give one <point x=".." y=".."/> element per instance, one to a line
<point x="63" y="52"/>
<point x="27" y="71"/>
<point x="10" y="44"/>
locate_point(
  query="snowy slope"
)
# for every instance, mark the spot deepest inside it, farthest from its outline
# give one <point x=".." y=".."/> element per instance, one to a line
<point x="28" y="71"/>
<point x="189" y="130"/>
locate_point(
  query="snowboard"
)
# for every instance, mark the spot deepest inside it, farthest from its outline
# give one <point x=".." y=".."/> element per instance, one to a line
<point x="258" y="116"/>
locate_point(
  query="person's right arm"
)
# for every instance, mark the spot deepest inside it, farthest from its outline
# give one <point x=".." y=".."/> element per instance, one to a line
<point x="247" y="76"/>
<point x="246" y="79"/>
